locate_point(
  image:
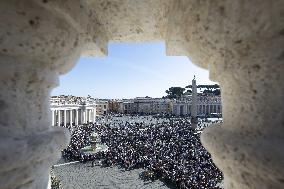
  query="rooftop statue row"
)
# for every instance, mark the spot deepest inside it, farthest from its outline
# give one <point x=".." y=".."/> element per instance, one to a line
<point x="71" y="100"/>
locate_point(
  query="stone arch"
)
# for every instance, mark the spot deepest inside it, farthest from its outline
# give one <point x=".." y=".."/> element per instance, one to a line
<point x="239" y="42"/>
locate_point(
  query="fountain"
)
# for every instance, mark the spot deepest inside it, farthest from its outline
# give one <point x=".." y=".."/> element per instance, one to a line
<point x="95" y="145"/>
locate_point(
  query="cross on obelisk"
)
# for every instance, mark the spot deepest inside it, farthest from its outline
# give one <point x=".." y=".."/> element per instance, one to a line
<point x="194" y="120"/>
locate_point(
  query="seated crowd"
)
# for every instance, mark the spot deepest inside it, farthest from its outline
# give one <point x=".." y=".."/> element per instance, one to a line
<point x="167" y="149"/>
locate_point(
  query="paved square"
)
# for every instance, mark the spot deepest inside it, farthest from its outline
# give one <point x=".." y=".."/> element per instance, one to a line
<point x="83" y="176"/>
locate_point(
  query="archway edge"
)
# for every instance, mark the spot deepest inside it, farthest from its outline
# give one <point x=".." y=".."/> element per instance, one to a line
<point x="239" y="42"/>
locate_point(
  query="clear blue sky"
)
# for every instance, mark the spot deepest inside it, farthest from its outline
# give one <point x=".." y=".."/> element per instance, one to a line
<point x="130" y="70"/>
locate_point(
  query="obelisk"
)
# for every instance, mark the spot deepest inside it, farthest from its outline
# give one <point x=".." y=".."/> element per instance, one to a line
<point x="194" y="119"/>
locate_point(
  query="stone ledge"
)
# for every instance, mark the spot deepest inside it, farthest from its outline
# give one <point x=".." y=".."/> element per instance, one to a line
<point x="27" y="150"/>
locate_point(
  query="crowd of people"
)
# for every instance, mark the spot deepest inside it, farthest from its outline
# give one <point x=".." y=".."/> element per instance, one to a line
<point x="167" y="149"/>
<point x="80" y="137"/>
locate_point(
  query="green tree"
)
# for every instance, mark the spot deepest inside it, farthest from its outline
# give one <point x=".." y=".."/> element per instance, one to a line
<point x="217" y="92"/>
<point x="175" y="92"/>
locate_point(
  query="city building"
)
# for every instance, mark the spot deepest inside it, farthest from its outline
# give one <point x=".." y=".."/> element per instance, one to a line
<point x="127" y="106"/>
<point x="71" y="110"/>
<point x="148" y="105"/>
<point x="115" y="105"/>
<point x="198" y="104"/>
<point x="206" y="106"/>
<point x="102" y="107"/>
<point x="145" y="106"/>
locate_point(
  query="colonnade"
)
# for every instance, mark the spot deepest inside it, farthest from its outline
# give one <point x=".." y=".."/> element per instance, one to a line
<point x="185" y="109"/>
<point x="66" y="116"/>
<point x="209" y="108"/>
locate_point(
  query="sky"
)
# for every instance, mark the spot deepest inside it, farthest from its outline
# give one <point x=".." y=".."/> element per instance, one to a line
<point x="130" y="70"/>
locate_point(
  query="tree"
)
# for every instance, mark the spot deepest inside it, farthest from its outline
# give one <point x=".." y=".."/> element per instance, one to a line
<point x="207" y="89"/>
<point x="175" y="92"/>
<point x="189" y="91"/>
<point x="217" y="92"/>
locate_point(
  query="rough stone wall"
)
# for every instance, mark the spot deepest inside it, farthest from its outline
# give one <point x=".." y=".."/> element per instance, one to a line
<point x="239" y="42"/>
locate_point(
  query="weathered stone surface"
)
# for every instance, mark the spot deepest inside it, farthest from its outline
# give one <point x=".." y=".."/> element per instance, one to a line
<point x="239" y="42"/>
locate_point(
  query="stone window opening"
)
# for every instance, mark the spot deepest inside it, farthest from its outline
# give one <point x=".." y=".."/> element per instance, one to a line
<point x="239" y="42"/>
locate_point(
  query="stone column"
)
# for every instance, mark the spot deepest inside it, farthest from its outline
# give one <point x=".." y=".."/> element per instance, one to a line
<point x="84" y="116"/>
<point x="59" y="117"/>
<point x="94" y="115"/>
<point x="194" y="119"/>
<point x="91" y="115"/>
<point x="207" y="109"/>
<point x="52" y="115"/>
<point x="87" y="115"/>
<point x="178" y="109"/>
<point x="77" y="117"/>
<point x="65" y="117"/>
<point x="71" y="117"/>
<point x="80" y="116"/>
<point x="55" y="117"/>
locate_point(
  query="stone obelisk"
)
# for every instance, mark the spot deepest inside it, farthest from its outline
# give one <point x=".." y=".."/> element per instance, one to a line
<point x="194" y="120"/>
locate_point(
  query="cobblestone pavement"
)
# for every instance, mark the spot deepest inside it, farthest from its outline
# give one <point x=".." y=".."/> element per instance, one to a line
<point x="83" y="176"/>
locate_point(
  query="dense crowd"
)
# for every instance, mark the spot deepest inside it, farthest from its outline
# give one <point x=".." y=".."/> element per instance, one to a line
<point x="168" y="149"/>
<point x="80" y="137"/>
